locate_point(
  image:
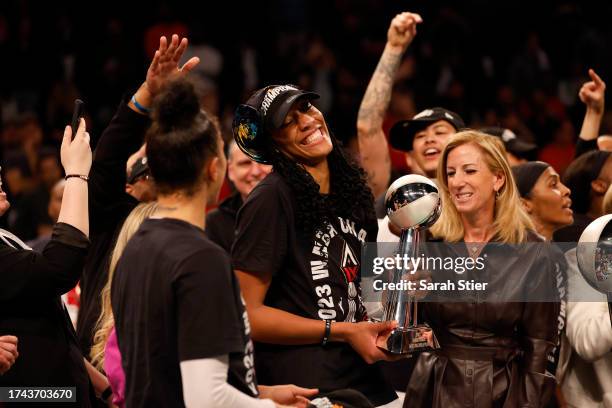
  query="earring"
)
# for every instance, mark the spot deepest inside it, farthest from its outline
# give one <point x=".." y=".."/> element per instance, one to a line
<point x="497" y="194"/>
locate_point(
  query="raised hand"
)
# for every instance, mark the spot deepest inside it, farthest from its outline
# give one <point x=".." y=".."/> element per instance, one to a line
<point x="403" y="29"/>
<point x="165" y="63"/>
<point x="76" y="153"/>
<point x="8" y="352"/>
<point x="373" y="147"/>
<point x="592" y="93"/>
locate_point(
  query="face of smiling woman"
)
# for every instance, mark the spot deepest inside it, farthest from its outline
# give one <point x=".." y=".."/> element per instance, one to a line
<point x="304" y="136"/>
<point x="471" y="184"/>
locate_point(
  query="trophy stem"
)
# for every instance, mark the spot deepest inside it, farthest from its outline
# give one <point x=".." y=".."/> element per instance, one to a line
<point x="400" y="305"/>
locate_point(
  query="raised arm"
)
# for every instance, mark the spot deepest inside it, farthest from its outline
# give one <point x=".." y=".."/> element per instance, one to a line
<point x="58" y="268"/>
<point x="372" y="142"/>
<point x="125" y="133"/>
<point x="165" y="65"/>
<point x="76" y="159"/>
<point x="592" y="94"/>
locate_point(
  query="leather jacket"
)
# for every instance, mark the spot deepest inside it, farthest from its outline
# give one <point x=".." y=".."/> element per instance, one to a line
<point x="493" y="351"/>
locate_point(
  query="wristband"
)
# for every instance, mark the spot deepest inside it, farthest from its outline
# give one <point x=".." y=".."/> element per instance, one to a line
<point x="106" y="394"/>
<point x="84" y="178"/>
<point x="138" y="106"/>
<point x="327" y="332"/>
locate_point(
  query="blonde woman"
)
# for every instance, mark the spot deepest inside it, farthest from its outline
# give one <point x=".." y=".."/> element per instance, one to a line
<point x="105" y="354"/>
<point x="492" y="353"/>
<point x="106" y="324"/>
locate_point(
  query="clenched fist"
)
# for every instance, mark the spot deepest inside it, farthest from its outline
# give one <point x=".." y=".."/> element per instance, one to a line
<point x="403" y="29"/>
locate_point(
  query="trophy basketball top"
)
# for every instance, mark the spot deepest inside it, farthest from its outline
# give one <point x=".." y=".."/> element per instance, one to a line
<point x="594" y="254"/>
<point x="413" y="201"/>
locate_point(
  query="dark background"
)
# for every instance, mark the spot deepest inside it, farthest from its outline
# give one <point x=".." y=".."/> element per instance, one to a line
<point x="516" y="64"/>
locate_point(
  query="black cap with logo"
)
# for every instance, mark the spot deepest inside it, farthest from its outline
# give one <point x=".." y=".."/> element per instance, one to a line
<point x="402" y="133"/>
<point x="513" y="144"/>
<point x="264" y="111"/>
<point x="139" y="168"/>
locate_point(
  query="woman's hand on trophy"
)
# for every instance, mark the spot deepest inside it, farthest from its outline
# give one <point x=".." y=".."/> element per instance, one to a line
<point x="362" y="337"/>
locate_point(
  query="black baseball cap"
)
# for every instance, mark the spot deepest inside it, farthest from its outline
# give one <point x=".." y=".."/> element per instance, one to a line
<point x="138" y="169"/>
<point x="264" y="111"/>
<point x="402" y="133"/>
<point x="513" y="144"/>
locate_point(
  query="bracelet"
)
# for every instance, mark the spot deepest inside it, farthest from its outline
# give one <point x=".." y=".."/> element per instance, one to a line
<point x="327" y="332"/>
<point x="84" y="178"/>
<point x="106" y="393"/>
<point x="138" y="106"/>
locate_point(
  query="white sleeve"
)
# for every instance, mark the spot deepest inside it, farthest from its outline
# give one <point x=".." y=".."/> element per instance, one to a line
<point x="588" y="321"/>
<point x="205" y="385"/>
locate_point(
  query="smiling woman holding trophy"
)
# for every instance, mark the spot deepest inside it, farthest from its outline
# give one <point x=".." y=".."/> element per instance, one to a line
<point x="297" y="251"/>
<point x="492" y="353"/>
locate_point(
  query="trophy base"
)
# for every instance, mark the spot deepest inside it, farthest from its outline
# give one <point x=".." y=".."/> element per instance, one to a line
<point x="407" y="340"/>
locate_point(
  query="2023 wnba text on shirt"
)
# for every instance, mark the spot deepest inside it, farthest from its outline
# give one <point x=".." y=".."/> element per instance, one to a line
<point x="314" y="277"/>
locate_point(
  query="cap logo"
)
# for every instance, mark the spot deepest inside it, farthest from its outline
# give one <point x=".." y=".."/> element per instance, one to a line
<point x="508" y="135"/>
<point x="449" y="116"/>
<point x="424" y="114"/>
<point x="272" y="93"/>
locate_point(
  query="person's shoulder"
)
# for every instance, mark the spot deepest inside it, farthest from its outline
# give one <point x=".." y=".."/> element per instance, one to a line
<point x="210" y="250"/>
<point x="172" y="236"/>
<point x="272" y="187"/>
<point x="272" y="182"/>
<point x="209" y="260"/>
<point x="215" y="217"/>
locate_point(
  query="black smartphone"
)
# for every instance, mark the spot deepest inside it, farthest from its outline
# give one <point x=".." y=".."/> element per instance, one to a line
<point x="77" y="114"/>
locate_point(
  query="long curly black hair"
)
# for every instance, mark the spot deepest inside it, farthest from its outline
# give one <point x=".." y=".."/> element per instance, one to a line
<point x="349" y="197"/>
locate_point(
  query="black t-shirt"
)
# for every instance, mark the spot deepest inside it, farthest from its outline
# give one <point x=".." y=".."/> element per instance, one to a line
<point x="175" y="298"/>
<point x="317" y="278"/>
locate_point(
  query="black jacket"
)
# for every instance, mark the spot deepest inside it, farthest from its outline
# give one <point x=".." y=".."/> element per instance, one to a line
<point x="109" y="206"/>
<point x="495" y="344"/>
<point x="220" y="222"/>
<point x="31" y="309"/>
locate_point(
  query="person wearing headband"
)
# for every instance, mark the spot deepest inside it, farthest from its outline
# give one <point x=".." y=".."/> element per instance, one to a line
<point x="547" y="201"/>
<point x="545" y="198"/>
<point x="588" y="177"/>
<point x="297" y="250"/>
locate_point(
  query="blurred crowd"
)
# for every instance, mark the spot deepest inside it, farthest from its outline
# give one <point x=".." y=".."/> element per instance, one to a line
<point x="496" y="64"/>
<point x="480" y="89"/>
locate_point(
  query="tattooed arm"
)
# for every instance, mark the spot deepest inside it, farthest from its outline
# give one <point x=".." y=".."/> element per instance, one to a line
<point x="372" y="142"/>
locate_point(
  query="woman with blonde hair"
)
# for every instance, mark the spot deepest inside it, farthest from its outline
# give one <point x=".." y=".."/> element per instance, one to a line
<point x="105" y="355"/>
<point x="493" y="344"/>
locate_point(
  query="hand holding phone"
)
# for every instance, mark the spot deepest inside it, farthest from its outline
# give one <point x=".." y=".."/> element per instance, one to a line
<point x="77" y="113"/>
